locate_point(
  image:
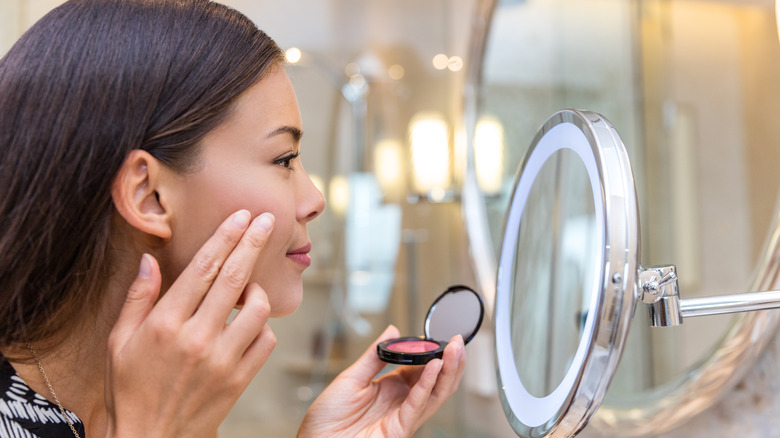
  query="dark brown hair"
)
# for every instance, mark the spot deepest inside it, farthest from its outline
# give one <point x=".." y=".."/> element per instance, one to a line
<point x="88" y="83"/>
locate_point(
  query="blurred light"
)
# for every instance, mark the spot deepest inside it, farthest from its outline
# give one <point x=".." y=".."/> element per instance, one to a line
<point x="339" y="194"/>
<point x="460" y="154"/>
<point x="370" y="65"/>
<point x="357" y="81"/>
<point x="293" y="55"/>
<point x="430" y="153"/>
<point x="318" y="183"/>
<point x="440" y="61"/>
<point x="397" y="71"/>
<point x="388" y="166"/>
<point x="437" y="195"/>
<point x="305" y="393"/>
<point x="777" y="17"/>
<point x="351" y="69"/>
<point x="489" y="154"/>
<point x="455" y="63"/>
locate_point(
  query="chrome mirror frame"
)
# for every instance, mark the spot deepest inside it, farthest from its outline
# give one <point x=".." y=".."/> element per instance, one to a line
<point x="664" y="407"/>
<point x="569" y="407"/>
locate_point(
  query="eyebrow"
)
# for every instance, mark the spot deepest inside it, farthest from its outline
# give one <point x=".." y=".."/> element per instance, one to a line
<point x="292" y="130"/>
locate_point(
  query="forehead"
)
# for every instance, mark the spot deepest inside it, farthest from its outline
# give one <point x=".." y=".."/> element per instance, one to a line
<point x="262" y="112"/>
<point x="270" y="101"/>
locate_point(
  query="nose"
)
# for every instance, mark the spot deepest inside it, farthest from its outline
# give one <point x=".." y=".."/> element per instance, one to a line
<point x="312" y="202"/>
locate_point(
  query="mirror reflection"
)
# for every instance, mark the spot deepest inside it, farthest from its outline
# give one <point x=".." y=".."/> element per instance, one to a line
<point x="554" y="268"/>
<point x="457" y="312"/>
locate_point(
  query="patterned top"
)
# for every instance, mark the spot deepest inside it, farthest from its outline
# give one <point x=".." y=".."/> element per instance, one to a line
<point x="25" y="414"/>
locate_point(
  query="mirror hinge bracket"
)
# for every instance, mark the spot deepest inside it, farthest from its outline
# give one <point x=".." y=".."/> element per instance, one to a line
<point x="659" y="289"/>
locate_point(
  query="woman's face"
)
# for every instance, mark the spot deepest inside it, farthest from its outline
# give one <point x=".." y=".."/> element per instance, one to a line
<point x="250" y="162"/>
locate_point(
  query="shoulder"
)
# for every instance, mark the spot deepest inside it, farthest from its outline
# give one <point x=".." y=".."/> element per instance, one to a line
<point x="25" y="413"/>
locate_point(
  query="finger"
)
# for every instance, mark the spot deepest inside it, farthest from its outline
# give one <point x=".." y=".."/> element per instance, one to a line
<point x="249" y="321"/>
<point x="187" y="292"/>
<point x="234" y="275"/>
<point x="257" y="354"/>
<point x="369" y="365"/>
<point x="413" y="410"/>
<point x="452" y="371"/>
<point x="139" y="302"/>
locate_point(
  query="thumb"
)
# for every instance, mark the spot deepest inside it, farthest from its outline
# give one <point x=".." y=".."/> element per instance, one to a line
<point x="368" y="364"/>
<point x="141" y="296"/>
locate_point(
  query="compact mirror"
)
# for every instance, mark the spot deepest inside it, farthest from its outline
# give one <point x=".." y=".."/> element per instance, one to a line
<point x="564" y="291"/>
<point x="457" y="311"/>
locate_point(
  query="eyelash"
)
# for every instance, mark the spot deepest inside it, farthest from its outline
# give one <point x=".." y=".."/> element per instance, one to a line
<point x="286" y="160"/>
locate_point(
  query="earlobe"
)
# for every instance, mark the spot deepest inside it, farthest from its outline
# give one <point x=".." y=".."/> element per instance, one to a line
<point x="136" y="195"/>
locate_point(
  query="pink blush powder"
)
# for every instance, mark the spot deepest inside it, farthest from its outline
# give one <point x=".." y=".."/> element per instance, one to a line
<point x="413" y="346"/>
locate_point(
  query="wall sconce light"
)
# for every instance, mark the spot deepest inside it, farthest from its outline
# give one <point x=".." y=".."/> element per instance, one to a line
<point x="293" y="55"/>
<point x="429" y="140"/>
<point x="389" y="168"/>
<point x="489" y="154"/>
<point x="338" y="192"/>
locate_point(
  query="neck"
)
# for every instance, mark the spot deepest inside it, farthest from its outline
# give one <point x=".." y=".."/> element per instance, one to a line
<point x="76" y="367"/>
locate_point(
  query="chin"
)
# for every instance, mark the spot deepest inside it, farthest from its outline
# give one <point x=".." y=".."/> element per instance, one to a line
<point x="289" y="303"/>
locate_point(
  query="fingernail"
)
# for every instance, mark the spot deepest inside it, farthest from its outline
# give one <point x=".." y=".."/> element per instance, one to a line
<point x="241" y="219"/>
<point x="265" y="222"/>
<point x="459" y="345"/>
<point x="145" y="269"/>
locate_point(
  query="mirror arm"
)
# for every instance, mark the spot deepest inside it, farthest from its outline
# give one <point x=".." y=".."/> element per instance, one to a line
<point x="730" y="303"/>
<point x="659" y="288"/>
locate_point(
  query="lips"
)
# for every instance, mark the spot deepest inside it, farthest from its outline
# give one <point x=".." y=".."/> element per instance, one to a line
<point x="301" y="255"/>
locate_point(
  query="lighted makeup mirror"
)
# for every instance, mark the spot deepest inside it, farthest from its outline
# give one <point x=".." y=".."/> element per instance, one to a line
<point x="569" y="277"/>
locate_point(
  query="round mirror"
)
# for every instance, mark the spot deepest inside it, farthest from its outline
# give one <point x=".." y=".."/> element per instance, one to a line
<point x="554" y="266"/>
<point x="566" y="279"/>
<point x="458" y="311"/>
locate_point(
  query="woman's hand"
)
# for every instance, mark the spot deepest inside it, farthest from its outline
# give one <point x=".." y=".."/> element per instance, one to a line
<point x="394" y="405"/>
<point x="176" y="368"/>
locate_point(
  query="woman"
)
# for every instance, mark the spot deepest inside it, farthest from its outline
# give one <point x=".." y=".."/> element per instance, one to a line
<point x="150" y="184"/>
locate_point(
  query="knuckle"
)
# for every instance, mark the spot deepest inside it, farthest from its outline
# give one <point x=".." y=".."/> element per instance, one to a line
<point x="135" y="293"/>
<point x="235" y="276"/>
<point x="257" y="307"/>
<point x="163" y="329"/>
<point x="196" y="349"/>
<point x="270" y="337"/>
<point x="235" y="383"/>
<point x="221" y="366"/>
<point x="263" y="308"/>
<point x="256" y="240"/>
<point x="207" y="266"/>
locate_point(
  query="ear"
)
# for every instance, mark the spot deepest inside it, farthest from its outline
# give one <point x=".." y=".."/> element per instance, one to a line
<point x="136" y="195"/>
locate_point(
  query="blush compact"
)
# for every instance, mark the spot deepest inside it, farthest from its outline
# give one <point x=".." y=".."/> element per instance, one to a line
<point x="458" y="311"/>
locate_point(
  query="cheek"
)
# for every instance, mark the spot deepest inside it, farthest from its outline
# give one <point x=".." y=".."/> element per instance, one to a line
<point x="226" y="196"/>
<point x="278" y="276"/>
<point x="207" y="202"/>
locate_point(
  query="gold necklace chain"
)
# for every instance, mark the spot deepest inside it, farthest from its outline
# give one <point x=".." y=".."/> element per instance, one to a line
<point x="48" y="383"/>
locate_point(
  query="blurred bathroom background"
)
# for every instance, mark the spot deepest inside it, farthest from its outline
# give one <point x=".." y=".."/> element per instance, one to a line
<point x="384" y="87"/>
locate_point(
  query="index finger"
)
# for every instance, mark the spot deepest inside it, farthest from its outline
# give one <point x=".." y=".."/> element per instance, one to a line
<point x="187" y="292"/>
<point x="234" y="275"/>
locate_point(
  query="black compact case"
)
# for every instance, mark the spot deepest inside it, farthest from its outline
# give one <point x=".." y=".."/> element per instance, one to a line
<point x="457" y="311"/>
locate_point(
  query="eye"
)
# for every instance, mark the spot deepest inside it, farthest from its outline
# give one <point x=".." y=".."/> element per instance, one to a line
<point x="286" y="160"/>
